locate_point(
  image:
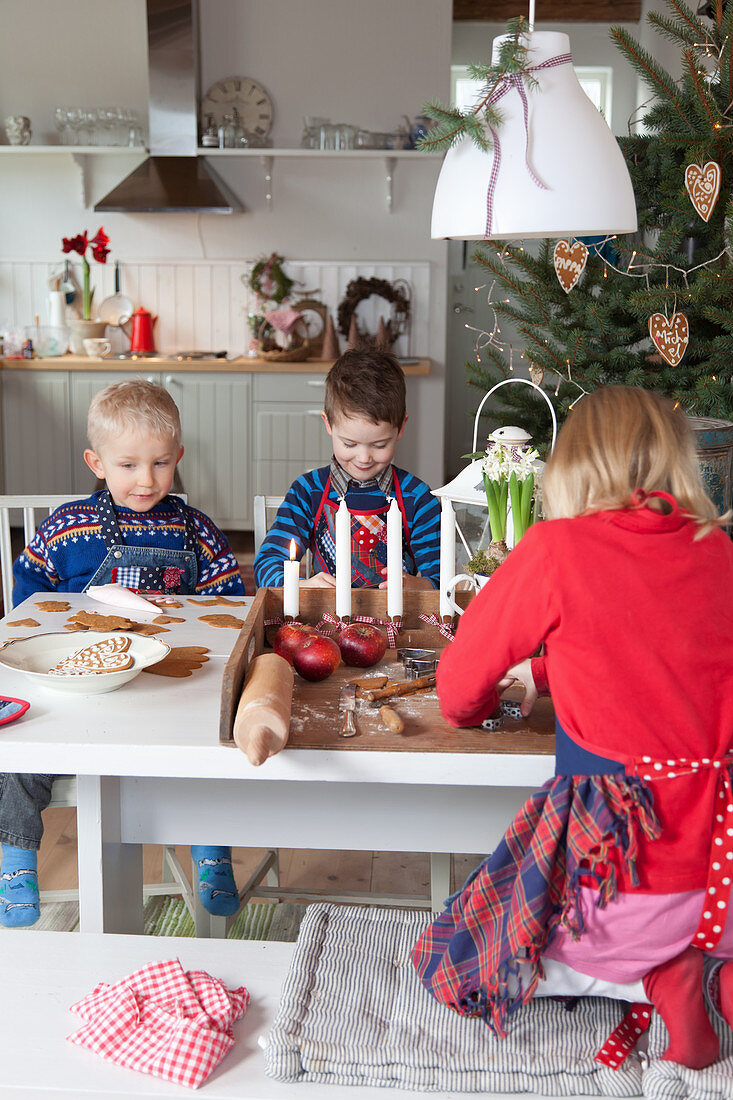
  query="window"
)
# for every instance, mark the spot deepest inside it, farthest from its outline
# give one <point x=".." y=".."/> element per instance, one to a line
<point x="595" y="80"/>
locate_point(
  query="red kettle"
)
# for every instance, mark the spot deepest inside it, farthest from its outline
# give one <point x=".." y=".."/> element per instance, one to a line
<point x="141" y="338"/>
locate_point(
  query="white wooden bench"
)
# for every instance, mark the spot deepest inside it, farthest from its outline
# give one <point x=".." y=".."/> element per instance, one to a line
<point x="44" y="972"/>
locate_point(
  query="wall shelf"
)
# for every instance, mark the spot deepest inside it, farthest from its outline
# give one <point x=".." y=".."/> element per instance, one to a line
<point x="268" y="157"/>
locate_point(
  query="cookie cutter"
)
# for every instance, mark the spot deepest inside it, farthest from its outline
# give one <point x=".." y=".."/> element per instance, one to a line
<point x="405" y="655"/>
<point x="508" y="708"/>
<point x="415" y="668"/>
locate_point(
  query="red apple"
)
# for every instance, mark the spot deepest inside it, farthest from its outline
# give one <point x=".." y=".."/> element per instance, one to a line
<point x="362" y="645"/>
<point x="290" y="637"/>
<point x="316" y="658"/>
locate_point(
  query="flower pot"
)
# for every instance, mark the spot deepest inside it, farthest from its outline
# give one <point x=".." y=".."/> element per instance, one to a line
<point x="84" y="330"/>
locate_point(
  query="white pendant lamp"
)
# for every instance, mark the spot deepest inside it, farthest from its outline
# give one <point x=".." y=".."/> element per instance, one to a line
<point x="555" y="169"/>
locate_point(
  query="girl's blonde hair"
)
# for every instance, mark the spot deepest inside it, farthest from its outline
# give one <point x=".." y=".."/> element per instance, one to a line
<point x="617" y="440"/>
<point x="137" y="405"/>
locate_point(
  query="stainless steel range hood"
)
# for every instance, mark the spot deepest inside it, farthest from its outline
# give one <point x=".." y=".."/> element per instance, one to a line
<point x="173" y="179"/>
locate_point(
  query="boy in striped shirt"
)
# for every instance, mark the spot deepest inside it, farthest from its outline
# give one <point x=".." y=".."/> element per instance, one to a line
<point x="365" y="415"/>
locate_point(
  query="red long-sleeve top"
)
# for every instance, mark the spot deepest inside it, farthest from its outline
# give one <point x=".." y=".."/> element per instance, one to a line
<point x="637" y="622"/>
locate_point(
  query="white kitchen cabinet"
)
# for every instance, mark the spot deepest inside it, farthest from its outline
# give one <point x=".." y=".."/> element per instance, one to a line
<point x="36" y="443"/>
<point x="216" y="467"/>
<point x="82" y="387"/>
<point x="288" y="435"/>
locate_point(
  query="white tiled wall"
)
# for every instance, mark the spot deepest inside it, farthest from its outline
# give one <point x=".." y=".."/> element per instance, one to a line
<point x="203" y="304"/>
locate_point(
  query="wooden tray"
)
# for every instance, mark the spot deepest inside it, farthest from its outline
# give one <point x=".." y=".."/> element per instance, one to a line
<point x="316" y="721"/>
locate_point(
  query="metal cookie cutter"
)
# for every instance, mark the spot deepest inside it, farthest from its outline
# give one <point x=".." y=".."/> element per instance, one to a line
<point x="508" y="708"/>
<point x="415" y="668"/>
<point x="406" y="655"/>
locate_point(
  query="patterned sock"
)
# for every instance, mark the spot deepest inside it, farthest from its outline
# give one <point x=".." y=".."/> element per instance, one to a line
<point x="19" y="905"/>
<point x="217" y="888"/>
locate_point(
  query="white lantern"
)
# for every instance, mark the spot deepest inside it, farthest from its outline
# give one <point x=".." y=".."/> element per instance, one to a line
<point x="467" y="494"/>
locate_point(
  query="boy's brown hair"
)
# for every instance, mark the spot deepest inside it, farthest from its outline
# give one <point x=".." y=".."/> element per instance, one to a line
<point x="366" y="382"/>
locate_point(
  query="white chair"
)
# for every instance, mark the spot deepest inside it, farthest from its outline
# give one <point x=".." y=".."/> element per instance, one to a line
<point x="64" y="789"/>
<point x="263" y="506"/>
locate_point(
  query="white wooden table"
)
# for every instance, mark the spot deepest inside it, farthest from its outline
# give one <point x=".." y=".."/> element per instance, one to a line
<point x="151" y="770"/>
<point x="57" y="968"/>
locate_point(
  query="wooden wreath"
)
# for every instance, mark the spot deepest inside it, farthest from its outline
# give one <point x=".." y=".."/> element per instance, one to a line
<point x="358" y="290"/>
<point x="268" y="280"/>
<point x="298" y="347"/>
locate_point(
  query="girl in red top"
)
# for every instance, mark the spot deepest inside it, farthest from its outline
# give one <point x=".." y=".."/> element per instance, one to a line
<point x="621" y="866"/>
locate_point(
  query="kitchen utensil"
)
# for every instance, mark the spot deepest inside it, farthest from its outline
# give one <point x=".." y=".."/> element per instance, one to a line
<point x="414" y="669"/>
<point x="347" y="703"/>
<point x="391" y="719"/>
<point x="68" y="286"/>
<point x="48" y="340"/>
<point x="117" y="309"/>
<point x="262" y="721"/>
<point x="141" y="335"/>
<point x="36" y="655"/>
<point x="10" y="709"/>
<point x="415" y="654"/>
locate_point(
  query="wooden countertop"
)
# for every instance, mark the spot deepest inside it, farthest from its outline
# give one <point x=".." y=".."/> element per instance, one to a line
<point x="241" y="365"/>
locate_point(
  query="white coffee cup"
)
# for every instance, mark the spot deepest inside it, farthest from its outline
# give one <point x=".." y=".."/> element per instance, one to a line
<point x="476" y="581"/>
<point x="97" y="346"/>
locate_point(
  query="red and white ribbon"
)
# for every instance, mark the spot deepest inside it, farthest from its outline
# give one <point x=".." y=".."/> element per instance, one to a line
<point x="622" y="1040"/>
<point x="445" y="628"/>
<point x="720" y="868"/>
<point x="393" y="627"/>
<point x="509" y="81"/>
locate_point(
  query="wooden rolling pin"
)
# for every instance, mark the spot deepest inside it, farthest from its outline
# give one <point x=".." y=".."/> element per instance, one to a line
<point x="404" y="688"/>
<point x="262" y="721"/>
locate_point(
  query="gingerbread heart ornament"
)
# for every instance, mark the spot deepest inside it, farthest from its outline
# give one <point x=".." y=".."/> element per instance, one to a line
<point x="670" y="335"/>
<point x="569" y="261"/>
<point x="703" y="186"/>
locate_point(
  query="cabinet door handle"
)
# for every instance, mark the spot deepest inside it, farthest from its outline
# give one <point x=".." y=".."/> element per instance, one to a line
<point x="313" y="412"/>
<point x="171" y="380"/>
<point x="315" y="381"/>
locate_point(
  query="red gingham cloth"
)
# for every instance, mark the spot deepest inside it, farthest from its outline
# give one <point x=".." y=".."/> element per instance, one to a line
<point x="162" y="1020"/>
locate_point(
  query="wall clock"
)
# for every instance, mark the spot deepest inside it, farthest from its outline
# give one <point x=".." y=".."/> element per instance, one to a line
<point x="250" y="98"/>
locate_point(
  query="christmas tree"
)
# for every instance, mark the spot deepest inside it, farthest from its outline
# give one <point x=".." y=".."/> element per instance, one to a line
<point x="652" y="310"/>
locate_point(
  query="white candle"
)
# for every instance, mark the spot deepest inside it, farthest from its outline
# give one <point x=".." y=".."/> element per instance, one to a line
<point x="447" y="554"/>
<point x="343" y="561"/>
<point x="394" y="560"/>
<point x="291" y="584"/>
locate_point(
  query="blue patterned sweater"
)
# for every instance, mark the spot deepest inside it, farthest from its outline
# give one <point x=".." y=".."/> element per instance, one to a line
<point x="296" y="517"/>
<point x="68" y="548"/>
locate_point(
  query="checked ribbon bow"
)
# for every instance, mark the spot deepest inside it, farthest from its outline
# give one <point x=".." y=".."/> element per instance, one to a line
<point x="507" y="82"/>
<point x="329" y="624"/>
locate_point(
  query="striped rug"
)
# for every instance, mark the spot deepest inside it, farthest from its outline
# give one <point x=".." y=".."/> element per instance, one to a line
<point x="168" y="916"/>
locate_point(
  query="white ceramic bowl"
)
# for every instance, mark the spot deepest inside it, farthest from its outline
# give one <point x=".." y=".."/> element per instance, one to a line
<point x="36" y="655"/>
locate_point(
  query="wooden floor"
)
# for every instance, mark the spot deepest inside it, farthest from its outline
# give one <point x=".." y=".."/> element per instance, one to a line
<point x="377" y="872"/>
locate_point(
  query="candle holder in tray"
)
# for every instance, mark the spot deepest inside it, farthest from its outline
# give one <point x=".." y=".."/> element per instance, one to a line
<point x="266" y="614"/>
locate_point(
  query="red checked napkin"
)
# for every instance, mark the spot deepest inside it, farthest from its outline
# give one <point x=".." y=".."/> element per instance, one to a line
<point x="162" y="1020"/>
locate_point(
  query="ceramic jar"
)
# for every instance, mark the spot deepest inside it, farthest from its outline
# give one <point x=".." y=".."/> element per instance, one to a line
<point x="84" y="330"/>
<point x="18" y="129"/>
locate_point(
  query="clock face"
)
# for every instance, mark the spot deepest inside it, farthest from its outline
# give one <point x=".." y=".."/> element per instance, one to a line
<point x="252" y="102"/>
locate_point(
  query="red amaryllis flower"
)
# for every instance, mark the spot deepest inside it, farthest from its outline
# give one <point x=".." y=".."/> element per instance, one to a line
<point x="74" y="244"/>
<point x="100" y="252"/>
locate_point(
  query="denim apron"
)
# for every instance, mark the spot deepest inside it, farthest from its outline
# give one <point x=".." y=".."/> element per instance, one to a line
<point x="368" y="540"/>
<point x="145" y="568"/>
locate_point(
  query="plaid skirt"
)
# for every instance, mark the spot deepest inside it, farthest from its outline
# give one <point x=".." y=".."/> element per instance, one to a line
<point x="481" y="956"/>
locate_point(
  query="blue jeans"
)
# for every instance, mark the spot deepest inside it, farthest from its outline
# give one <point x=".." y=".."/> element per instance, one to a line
<point x="23" y="796"/>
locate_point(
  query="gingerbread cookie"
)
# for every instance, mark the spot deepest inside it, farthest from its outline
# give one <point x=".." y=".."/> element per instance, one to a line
<point x="148" y="628"/>
<point x="222" y="620"/>
<point x="108" y="655"/>
<point x="24" y="622"/>
<point x="90" y="620"/>
<point x="162" y="619"/>
<point x="164" y="601"/>
<point x="181" y="661"/>
<point x="53" y="605"/>
<point x="220" y="599"/>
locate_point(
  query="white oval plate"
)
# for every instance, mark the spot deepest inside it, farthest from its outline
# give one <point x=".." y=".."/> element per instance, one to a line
<point x="36" y="655"/>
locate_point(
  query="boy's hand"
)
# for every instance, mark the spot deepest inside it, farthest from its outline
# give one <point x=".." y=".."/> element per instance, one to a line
<point x="408" y="581"/>
<point x="321" y="580"/>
